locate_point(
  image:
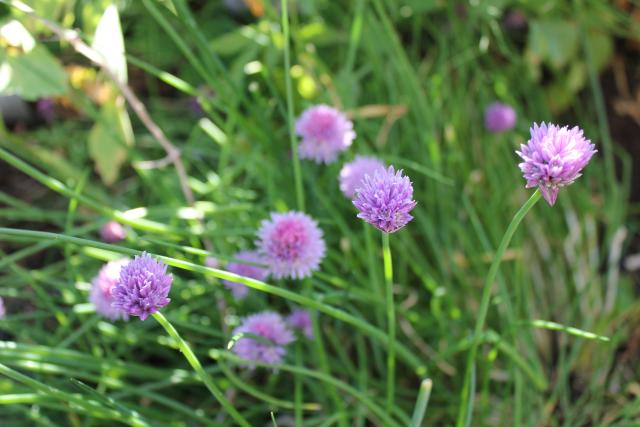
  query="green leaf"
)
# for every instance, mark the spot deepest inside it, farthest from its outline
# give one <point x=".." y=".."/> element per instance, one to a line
<point x="109" y="140"/>
<point x="26" y="68"/>
<point x="108" y="41"/>
<point x="554" y="41"/>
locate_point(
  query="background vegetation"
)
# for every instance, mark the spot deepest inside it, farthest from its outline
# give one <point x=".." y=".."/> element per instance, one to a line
<point x="415" y="76"/>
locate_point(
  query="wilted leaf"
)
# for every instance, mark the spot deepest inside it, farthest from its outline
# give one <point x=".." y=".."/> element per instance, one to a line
<point x="109" y="139"/>
<point x="108" y="41"/>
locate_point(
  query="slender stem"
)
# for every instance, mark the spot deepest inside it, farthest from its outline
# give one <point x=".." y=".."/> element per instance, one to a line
<point x="197" y="367"/>
<point x="297" y="171"/>
<point x="391" y="321"/>
<point x="297" y="388"/>
<point x="466" y="401"/>
<point x="422" y="402"/>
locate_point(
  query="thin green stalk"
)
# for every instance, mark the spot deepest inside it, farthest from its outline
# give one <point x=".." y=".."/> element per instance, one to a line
<point x="372" y="406"/>
<point x="404" y="352"/>
<point x="465" y="413"/>
<point x="422" y="402"/>
<point x="297" y="388"/>
<point x="391" y="321"/>
<point x="297" y="171"/>
<point x="197" y="367"/>
<point x="59" y="187"/>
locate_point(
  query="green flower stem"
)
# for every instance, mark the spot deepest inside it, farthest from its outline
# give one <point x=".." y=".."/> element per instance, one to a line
<point x="391" y="321"/>
<point x="404" y="352"/>
<point x="197" y="367"/>
<point x="466" y="400"/>
<point x="421" y="402"/>
<point x="297" y="171"/>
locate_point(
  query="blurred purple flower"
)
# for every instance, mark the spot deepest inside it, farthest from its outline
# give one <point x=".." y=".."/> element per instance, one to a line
<point x="325" y="132"/>
<point x="553" y="158"/>
<point x="515" y="20"/>
<point x="3" y="311"/>
<point x="352" y="173"/>
<point x="499" y="117"/>
<point x="212" y="262"/>
<point x="252" y="271"/>
<point x="267" y="325"/>
<point x="46" y="109"/>
<point x="112" y="232"/>
<point x="301" y="320"/>
<point x="143" y="287"/>
<point x="385" y="200"/>
<point x="102" y="287"/>
<point x="292" y="244"/>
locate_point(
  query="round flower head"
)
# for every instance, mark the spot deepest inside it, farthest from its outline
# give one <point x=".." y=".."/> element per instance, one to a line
<point x="301" y="320"/>
<point x="553" y="158"/>
<point x="325" y="132"/>
<point x="292" y="245"/>
<point x="101" y="295"/>
<point x="353" y="172"/>
<point x="112" y="232"/>
<point x="384" y="200"/>
<point x="499" y="117"/>
<point x="275" y="333"/>
<point x="143" y="287"/>
<point x="252" y="271"/>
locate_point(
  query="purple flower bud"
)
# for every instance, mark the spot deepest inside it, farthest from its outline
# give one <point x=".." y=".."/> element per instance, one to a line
<point x="353" y="172"/>
<point x="292" y="245"/>
<point x="273" y="329"/>
<point x="385" y="200"/>
<point x="112" y="232"/>
<point x="325" y="132"/>
<point x="143" y="287"/>
<point x="102" y="290"/>
<point x="3" y="311"/>
<point x="554" y="157"/>
<point x="252" y="271"/>
<point x="301" y="320"/>
<point x="499" y="117"/>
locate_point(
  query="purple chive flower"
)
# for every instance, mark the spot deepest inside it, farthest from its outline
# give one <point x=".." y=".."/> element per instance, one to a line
<point x="112" y="232"/>
<point x="212" y="262"/>
<point x="325" y="132"/>
<point x="352" y="173"/>
<point x="385" y="199"/>
<point x="3" y="311"/>
<point x="252" y="271"/>
<point x="101" y="295"/>
<point x="301" y="320"/>
<point x="292" y="245"/>
<point x="499" y="117"/>
<point x="271" y="327"/>
<point x="143" y="287"/>
<point x="553" y="158"/>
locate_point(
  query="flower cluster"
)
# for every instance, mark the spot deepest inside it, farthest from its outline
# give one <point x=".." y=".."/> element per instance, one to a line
<point x="273" y="333"/>
<point x="499" y="117"/>
<point x="352" y="173"/>
<point x="292" y="245"/>
<point x="325" y="132"/>
<point x="385" y="199"/>
<point x="553" y="158"/>
<point x="143" y="287"/>
<point x="101" y="295"/>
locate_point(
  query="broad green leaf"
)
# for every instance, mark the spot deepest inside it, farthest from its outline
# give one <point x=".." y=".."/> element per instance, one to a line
<point x="554" y="41"/>
<point x="109" y="140"/>
<point x="26" y="68"/>
<point x="108" y="41"/>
